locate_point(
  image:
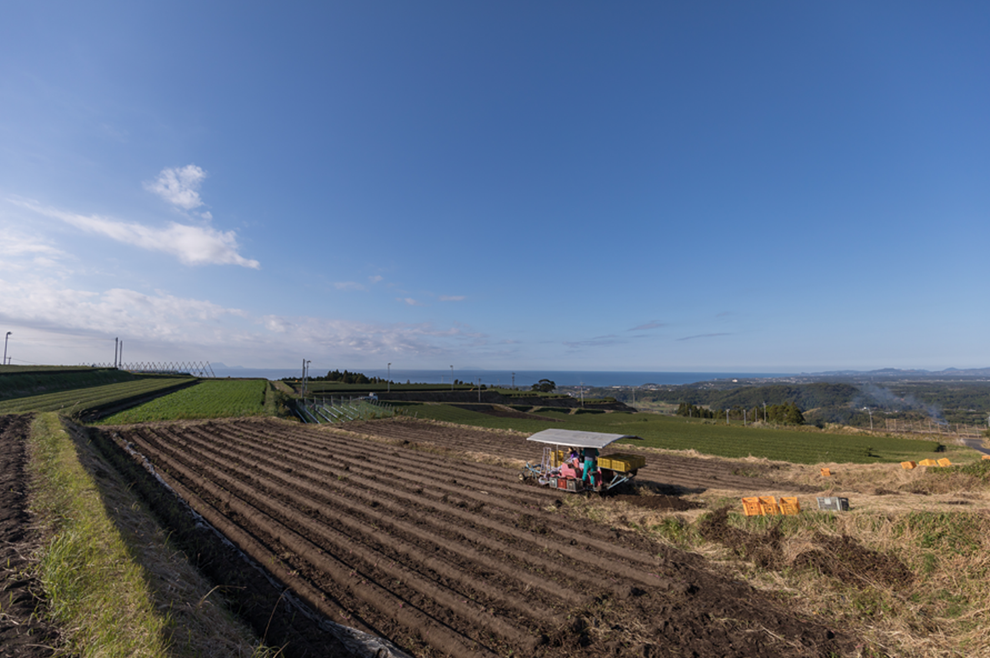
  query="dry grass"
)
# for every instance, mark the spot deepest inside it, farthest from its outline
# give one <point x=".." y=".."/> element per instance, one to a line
<point x="931" y="523"/>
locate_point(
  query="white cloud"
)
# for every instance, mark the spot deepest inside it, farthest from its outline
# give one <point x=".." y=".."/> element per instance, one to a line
<point x="376" y="278"/>
<point x="452" y="298"/>
<point x="77" y="323"/>
<point x="20" y="252"/>
<point x="44" y="304"/>
<point x="348" y="285"/>
<point x="409" y="300"/>
<point x="192" y="245"/>
<point x="180" y="187"/>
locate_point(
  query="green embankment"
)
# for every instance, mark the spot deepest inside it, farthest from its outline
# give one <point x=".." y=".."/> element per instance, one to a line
<point x="26" y="381"/>
<point x="76" y="401"/>
<point x="734" y="440"/>
<point x="112" y="581"/>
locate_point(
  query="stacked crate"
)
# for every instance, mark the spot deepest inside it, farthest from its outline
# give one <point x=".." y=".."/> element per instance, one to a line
<point x="768" y="506"/>
<point x="621" y="462"/>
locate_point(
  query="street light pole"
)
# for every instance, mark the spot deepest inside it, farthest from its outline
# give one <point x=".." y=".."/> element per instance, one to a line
<point x="5" y="347"/>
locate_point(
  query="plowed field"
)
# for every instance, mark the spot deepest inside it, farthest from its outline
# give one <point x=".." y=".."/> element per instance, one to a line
<point x="686" y="474"/>
<point x="448" y="556"/>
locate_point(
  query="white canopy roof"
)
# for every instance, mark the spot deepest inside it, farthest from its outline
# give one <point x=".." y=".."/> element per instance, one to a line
<point x="578" y="439"/>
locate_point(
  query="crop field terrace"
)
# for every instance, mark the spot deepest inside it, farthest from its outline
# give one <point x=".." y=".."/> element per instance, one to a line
<point x="213" y="398"/>
<point x="77" y="401"/>
<point x="806" y="446"/>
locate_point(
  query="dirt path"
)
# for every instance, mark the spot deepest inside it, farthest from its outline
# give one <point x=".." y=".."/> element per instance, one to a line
<point x="22" y="631"/>
<point x="450" y="557"/>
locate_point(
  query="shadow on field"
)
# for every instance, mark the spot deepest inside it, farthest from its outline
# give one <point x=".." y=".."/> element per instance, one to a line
<point x="245" y="588"/>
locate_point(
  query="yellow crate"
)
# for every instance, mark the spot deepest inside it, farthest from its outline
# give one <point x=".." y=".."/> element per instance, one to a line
<point x="826" y="472"/>
<point x="907" y="466"/>
<point x="789" y="506"/>
<point x="944" y="462"/>
<point x="928" y="462"/>
<point x="985" y="457"/>
<point x="622" y="462"/>
<point x="768" y="505"/>
<point x="751" y="507"/>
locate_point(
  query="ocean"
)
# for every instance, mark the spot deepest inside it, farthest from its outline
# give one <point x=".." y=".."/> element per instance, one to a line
<point x="520" y="378"/>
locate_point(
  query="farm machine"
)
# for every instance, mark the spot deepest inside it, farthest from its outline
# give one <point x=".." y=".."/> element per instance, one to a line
<point x="560" y="469"/>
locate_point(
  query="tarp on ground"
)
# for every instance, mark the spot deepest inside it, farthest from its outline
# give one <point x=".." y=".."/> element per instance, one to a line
<point x="578" y="439"/>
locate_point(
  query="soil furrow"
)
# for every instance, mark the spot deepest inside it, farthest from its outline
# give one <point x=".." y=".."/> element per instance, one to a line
<point x="358" y="585"/>
<point x="375" y="536"/>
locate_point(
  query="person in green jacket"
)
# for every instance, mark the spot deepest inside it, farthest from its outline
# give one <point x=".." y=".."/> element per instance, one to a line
<point x="590" y="464"/>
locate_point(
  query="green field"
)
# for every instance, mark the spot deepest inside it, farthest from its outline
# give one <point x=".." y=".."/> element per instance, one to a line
<point x="78" y="401"/>
<point x="677" y="433"/>
<point x="219" y="398"/>
<point x="26" y="381"/>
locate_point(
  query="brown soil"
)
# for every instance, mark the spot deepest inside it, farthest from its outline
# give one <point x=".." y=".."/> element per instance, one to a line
<point x="449" y="557"/>
<point x="671" y="473"/>
<point x="23" y="632"/>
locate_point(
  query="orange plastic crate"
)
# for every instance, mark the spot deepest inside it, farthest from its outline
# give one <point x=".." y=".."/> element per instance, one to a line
<point x="768" y="505"/>
<point x="928" y="462"/>
<point x="944" y="462"/>
<point x="985" y="457"/>
<point x="907" y="466"/>
<point x="751" y="507"/>
<point x="826" y="472"/>
<point x="789" y="506"/>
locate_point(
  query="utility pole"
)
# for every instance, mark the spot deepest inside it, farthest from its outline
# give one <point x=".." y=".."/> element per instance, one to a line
<point x="479" y="389"/>
<point x="10" y="332"/>
<point x="116" y="342"/>
<point x="452" y="378"/>
<point x="514" y="388"/>
<point x="389" y="384"/>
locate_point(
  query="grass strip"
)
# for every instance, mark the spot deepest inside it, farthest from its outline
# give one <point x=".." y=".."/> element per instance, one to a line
<point x="113" y="581"/>
<point x="95" y="589"/>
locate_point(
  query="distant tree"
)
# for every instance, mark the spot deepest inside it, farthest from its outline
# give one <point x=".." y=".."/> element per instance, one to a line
<point x="347" y="377"/>
<point x="691" y="411"/>
<point x="545" y="386"/>
<point x="786" y="414"/>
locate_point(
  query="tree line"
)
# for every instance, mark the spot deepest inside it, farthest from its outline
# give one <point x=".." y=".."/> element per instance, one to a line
<point x="780" y="414"/>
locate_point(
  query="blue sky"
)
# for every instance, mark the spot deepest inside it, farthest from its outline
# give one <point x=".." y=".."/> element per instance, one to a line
<point x="759" y="186"/>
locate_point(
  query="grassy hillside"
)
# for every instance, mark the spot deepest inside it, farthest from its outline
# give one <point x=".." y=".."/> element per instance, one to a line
<point x="676" y="433"/>
<point x="25" y="381"/>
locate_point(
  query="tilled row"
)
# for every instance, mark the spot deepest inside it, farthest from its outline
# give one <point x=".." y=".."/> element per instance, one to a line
<point x="329" y="577"/>
<point x="395" y="550"/>
<point x="687" y="473"/>
<point x="514" y="501"/>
